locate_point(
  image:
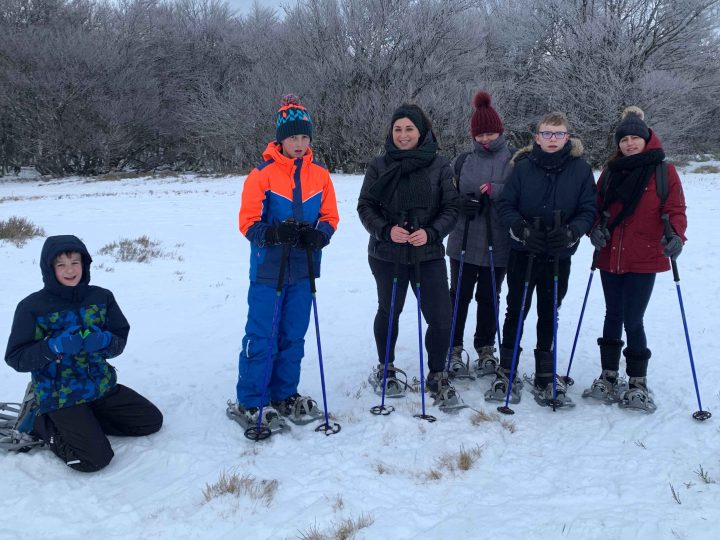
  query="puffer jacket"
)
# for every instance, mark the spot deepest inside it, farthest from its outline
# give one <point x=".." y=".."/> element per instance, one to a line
<point x="491" y="165"/>
<point x="635" y="242"/>
<point x="63" y="380"/>
<point x="281" y="188"/>
<point x="534" y="191"/>
<point x="437" y="220"/>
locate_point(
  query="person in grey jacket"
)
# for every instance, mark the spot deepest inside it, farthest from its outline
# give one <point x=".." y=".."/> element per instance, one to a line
<point x="480" y="178"/>
<point x="548" y="204"/>
<point x="408" y="204"/>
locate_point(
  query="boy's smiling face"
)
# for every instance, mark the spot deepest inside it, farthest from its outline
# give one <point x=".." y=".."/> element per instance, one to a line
<point x="68" y="269"/>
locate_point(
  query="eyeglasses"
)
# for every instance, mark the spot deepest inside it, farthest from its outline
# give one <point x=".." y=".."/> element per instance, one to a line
<point x="549" y="134"/>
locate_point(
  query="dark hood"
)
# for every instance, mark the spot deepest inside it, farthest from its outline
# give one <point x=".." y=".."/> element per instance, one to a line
<point x="54" y="245"/>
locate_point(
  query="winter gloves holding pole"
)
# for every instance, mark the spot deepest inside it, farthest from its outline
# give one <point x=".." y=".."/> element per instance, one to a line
<point x="290" y="232"/>
<point x="537" y="241"/>
<point x="672" y="245"/>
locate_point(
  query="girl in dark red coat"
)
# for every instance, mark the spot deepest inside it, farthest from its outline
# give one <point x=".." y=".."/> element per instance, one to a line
<point x="632" y="249"/>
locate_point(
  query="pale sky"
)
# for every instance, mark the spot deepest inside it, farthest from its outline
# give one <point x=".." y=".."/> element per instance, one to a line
<point x="243" y="6"/>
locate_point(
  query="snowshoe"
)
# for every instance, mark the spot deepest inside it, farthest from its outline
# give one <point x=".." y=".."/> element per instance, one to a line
<point x="637" y="396"/>
<point x="299" y="409"/>
<point x="460" y="364"/>
<point x="444" y="394"/>
<point x="544" y="394"/>
<point x="16" y="424"/>
<point x="608" y="388"/>
<point x="498" y="389"/>
<point x="270" y="423"/>
<point x="396" y="384"/>
<point x="486" y="363"/>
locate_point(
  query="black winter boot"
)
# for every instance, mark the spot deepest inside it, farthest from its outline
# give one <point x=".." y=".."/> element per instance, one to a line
<point x="544" y="372"/>
<point x="610" y="350"/>
<point x="637" y="363"/>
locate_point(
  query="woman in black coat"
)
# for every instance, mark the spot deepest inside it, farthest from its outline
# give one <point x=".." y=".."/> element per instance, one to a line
<point x="408" y="205"/>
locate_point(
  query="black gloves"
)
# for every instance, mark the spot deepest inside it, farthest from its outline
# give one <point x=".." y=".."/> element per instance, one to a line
<point x="599" y="237"/>
<point x="311" y="238"/>
<point x="471" y="207"/>
<point x="673" y="246"/>
<point x="286" y="232"/>
<point x="532" y="239"/>
<point x="560" y="238"/>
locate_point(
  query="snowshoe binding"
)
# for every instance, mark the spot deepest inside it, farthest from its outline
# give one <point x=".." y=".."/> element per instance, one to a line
<point x="638" y="396"/>
<point x="16" y="424"/>
<point x="460" y="364"/>
<point x="396" y="384"/>
<point x="444" y="394"/>
<point x="543" y="394"/>
<point x="299" y="409"/>
<point x="486" y="363"/>
<point x="498" y="389"/>
<point x="608" y="388"/>
<point x="270" y="423"/>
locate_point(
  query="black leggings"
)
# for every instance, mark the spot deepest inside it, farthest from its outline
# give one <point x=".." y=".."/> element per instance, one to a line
<point x="626" y="299"/>
<point x="77" y="434"/>
<point x="435" y="307"/>
<point x="541" y="280"/>
<point x="485" y="327"/>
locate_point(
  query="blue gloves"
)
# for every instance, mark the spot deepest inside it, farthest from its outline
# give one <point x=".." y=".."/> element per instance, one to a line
<point x="68" y="342"/>
<point x="97" y="340"/>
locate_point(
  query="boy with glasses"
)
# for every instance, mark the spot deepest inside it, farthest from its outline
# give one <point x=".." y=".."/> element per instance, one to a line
<point x="548" y="204"/>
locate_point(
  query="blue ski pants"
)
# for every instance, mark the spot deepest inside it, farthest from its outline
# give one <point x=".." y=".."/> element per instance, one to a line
<point x="283" y="353"/>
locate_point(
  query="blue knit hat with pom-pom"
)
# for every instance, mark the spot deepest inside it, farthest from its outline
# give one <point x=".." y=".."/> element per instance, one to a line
<point x="292" y="119"/>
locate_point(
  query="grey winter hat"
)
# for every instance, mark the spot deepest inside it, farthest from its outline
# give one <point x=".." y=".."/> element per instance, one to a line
<point x="633" y="123"/>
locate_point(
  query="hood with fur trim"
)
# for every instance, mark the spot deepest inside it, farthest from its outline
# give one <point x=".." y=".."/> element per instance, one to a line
<point x="577" y="149"/>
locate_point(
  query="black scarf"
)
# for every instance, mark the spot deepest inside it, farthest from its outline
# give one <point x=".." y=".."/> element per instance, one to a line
<point x="550" y="161"/>
<point x="627" y="178"/>
<point x="405" y="184"/>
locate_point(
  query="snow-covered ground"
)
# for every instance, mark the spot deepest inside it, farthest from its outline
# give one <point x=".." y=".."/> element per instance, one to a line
<point x="594" y="471"/>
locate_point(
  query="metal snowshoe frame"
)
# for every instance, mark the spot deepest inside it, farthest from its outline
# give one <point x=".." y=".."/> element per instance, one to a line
<point x="495" y="394"/>
<point x="396" y="384"/>
<point x="638" y="397"/>
<point x="10" y="438"/>
<point x="460" y="366"/>
<point x="549" y="396"/>
<point x="486" y="364"/>
<point x="303" y="410"/>
<point x="606" y="391"/>
<point x="266" y="428"/>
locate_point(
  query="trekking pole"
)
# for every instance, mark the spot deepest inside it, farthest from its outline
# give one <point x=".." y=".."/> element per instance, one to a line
<point x="700" y="414"/>
<point x="488" y="229"/>
<point x="505" y="409"/>
<point x="259" y="432"/>
<point x="557" y="218"/>
<point x="566" y="378"/>
<point x="326" y="427"/>
<point x="463" y="249"/>
<point x="382" y="409"/>
<point x="416" y="260"/>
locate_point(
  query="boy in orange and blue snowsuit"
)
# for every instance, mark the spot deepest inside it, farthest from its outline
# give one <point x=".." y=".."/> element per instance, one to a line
<point x="288" y="207"/>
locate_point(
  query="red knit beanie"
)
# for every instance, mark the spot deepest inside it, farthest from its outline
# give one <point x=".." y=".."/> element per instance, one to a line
<point x="485" y="119"/>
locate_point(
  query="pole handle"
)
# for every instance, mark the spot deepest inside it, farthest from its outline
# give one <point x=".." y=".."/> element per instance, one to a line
<point x="668" y="231"/>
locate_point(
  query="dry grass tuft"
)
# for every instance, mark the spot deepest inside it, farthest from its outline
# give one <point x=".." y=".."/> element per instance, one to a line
<point x="707" y="169"/>
<point x="17" y="230"/>
<point x="140" y="249"/>
<point x="346" y="529"/>
<point x="247" y="485"/>
<point x="482" y="416"/>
